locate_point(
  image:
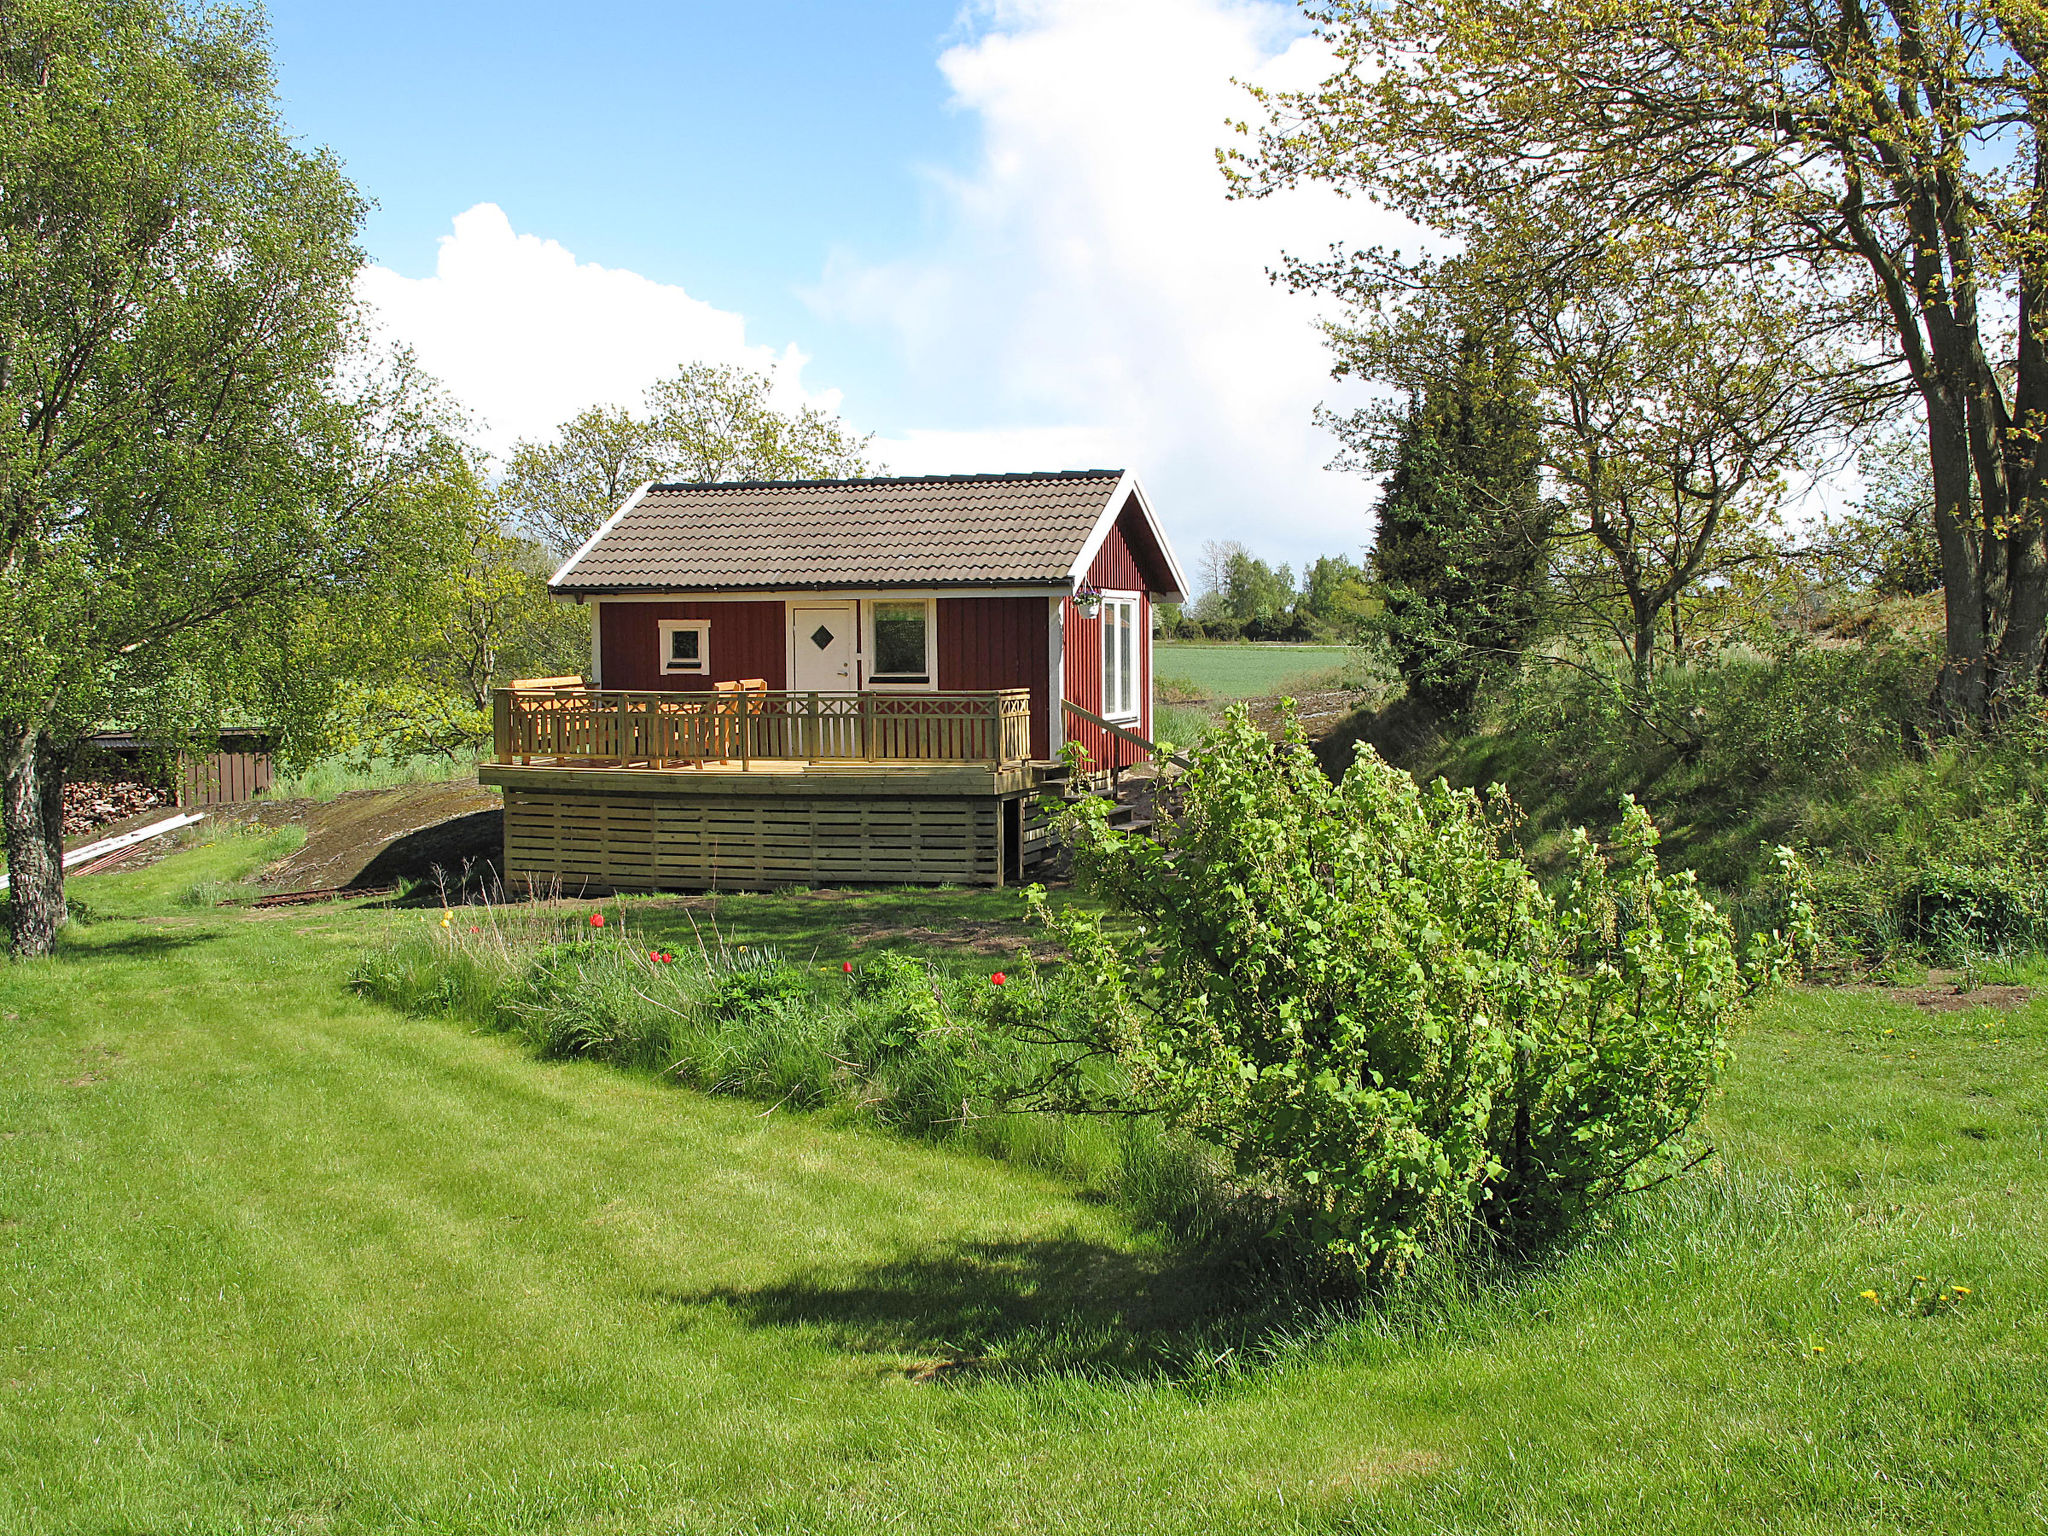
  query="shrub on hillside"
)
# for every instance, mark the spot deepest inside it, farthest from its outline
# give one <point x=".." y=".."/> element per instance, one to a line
<point x="1923" y="844"/>
<point x="1379" y="1016"/>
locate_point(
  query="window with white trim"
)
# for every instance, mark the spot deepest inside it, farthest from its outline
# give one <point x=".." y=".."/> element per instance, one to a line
<point x="1120" y="658"/>
<point x="685" y="647"/>
<point x="900" y="642"/>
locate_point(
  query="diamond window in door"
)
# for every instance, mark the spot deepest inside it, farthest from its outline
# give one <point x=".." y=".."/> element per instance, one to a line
<point x="821" y="637"/>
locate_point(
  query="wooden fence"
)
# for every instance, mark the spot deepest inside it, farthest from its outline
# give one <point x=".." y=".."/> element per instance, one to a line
<point x="664" y="730"/>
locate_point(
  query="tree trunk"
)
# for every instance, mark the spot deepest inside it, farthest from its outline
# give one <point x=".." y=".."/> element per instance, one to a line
<point x="32" y="808"/>
<point x="1960" y="692"/>
<point x="2021" y="664"/>
<point x="1643" y="649"/>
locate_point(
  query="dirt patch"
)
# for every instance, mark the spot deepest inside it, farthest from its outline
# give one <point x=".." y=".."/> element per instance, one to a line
<point x="382" y="836"/>
<point x="962" y="938"/>
<point x="1941" y="995"/>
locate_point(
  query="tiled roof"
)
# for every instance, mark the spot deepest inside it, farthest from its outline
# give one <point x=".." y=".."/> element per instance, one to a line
<point x="932" y="530"/>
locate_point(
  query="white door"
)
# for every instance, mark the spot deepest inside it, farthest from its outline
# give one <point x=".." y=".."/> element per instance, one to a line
<point x="821" y="647"/>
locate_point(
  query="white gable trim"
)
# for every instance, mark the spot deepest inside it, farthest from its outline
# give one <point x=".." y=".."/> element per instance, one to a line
<point x="603" y="528"/>
<point x="1126" y="489"/>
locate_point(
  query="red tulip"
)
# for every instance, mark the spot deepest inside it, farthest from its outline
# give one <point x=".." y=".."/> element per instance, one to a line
<point x="999" y="978"/>
<point x="597" y="919"/>
<point x="846" y="966"/>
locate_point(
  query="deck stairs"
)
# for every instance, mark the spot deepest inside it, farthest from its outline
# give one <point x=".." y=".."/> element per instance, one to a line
<point x="1133" y="797"/>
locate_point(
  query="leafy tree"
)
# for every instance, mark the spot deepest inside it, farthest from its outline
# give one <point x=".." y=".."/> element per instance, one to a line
<point x="193" y="451"/>
<point x="1669" y="407"/>
<point x="564" y="489"/>
<point x="430" y="664"/>
<point x="707" y="422"/>
<point x="1351" y="990"/>
<point x="1463" y="531"/>
<point x="1887" y="539"/>
<point x="1335" y="599"/>
<point x="1884" y="162"/>
<point x="1258" y="599"/>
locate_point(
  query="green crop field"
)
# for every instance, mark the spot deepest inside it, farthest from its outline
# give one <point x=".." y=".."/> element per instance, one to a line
<point x="1223" y="671"/>
<point x="275" y="1259"/>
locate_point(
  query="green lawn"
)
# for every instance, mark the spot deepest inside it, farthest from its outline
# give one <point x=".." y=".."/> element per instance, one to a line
<point x="1246" y="671"/>
<point x="275" y="1260"/>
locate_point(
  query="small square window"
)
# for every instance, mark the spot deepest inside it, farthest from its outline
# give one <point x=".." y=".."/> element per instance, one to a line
<point x="902" y="635"/>
<point x="685" y="646"/>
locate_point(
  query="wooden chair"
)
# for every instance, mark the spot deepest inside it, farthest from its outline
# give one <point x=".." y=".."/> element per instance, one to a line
<point x="544" y="685"/>
<point x="730" y="707"/>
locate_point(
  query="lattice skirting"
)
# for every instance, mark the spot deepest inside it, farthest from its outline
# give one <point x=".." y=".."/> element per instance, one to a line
<point x="634" y="842"/>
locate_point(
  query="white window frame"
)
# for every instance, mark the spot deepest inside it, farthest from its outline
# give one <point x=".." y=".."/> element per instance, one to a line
<point x="1113" y="707"/>
<point x="930" y="682"/>
<point x="667" y="629"/>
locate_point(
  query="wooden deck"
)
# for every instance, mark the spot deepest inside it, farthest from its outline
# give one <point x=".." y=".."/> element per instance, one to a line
<point x="618" y="728"/>
<point x="615" y="790"/>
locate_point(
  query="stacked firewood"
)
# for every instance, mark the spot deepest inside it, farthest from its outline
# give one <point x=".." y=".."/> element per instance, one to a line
<point x="95" y="803"/>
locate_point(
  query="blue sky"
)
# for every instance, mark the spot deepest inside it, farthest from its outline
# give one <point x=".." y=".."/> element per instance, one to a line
<point x="995" y="237"/>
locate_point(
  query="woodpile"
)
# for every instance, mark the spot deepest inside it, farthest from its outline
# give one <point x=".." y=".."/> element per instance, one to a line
<point x="94" y="803"/>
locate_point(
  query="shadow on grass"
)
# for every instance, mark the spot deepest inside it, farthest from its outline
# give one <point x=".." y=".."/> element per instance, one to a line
<point x="152" y="944"/>
<point x="1024" y="1309"/>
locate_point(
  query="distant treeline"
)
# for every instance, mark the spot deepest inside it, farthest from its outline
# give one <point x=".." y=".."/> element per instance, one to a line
<point x="1244" y="598"/>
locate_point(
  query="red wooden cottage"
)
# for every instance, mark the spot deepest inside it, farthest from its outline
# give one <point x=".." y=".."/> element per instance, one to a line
<point x="835" y="680"/>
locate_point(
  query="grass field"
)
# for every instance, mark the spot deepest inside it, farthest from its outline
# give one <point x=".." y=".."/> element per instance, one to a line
<point x="1221" y="671"/>
<point x="275" y="1260"/>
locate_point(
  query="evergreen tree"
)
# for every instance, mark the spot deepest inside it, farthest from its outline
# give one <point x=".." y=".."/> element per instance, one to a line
<point x="1463" y="528"/>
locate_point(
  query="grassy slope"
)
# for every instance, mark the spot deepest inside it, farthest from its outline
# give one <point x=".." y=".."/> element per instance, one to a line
<point x="272" y="1259"/>
<point x="1246" y="671"/>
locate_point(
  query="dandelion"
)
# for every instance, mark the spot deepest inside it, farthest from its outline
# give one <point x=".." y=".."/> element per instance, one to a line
<point x="1820" y="1349"/>
<point x="597" y="919"/>
<point x="1868" y="1295"/>
<point x="1962" y="1290"/>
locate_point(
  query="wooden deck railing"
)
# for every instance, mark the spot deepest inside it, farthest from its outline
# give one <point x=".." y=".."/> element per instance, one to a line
<point x="626" y="728"/>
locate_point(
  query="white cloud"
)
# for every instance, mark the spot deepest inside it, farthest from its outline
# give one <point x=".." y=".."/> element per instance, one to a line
<point x="1090" y="297"/>
<point x="525" y="335"/>
<point x="1091" y="278"/>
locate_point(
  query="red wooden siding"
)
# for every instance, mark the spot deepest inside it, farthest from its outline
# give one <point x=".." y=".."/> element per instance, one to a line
<point x="1115" y="568"/>
<point x="746" y="641"/>
<point x="999" y="642"/>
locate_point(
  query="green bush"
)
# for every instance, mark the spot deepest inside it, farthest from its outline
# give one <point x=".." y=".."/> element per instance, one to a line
<point x="1378" y="1016"/>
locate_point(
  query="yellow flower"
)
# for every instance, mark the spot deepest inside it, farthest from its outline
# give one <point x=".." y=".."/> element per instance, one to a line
<point x="1868" y="1295"/>
<point x="1962" y="1290"/>
<point x="1820" y="1349"/>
